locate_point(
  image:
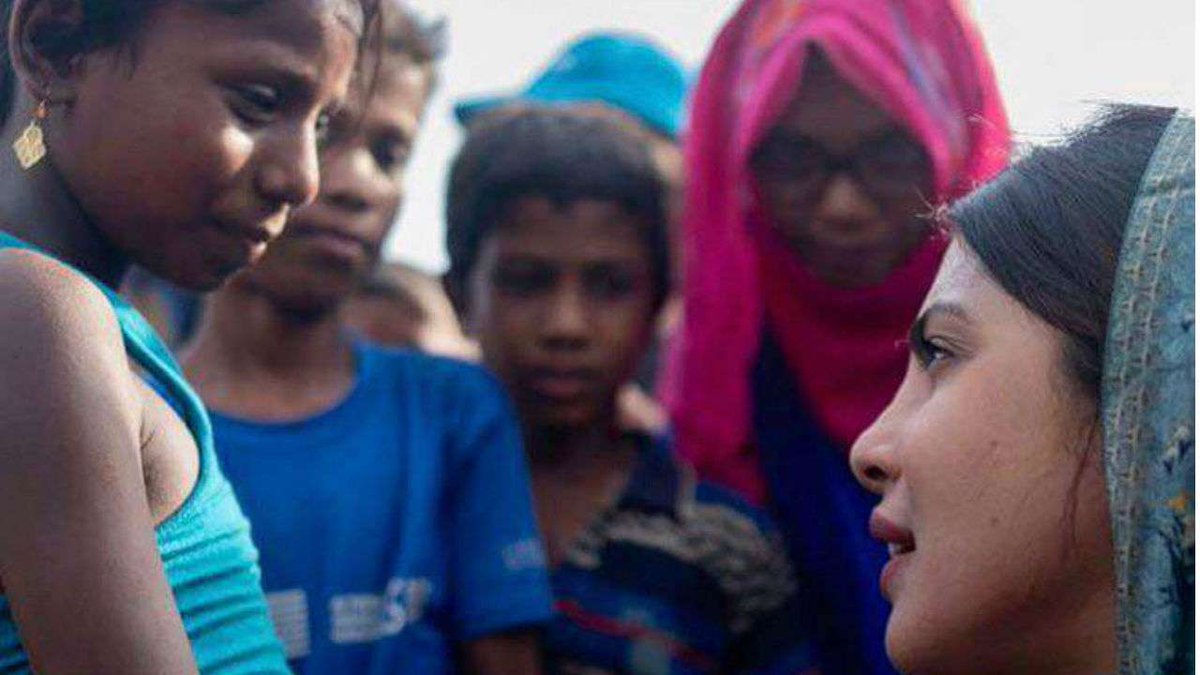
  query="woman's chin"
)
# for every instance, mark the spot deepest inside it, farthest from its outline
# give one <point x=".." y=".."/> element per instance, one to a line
<point x="896" y="646"/>
<point x="909" y="641"/>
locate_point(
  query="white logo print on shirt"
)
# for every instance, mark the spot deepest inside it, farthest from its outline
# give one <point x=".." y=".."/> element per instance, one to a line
<point x="354" y="618"/>
<point x="362" y="618"/>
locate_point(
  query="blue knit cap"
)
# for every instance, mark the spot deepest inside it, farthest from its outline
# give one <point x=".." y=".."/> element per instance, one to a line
<point x="625" y="71"/>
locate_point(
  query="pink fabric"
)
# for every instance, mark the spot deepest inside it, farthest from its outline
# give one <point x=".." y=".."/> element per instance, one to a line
<point x="844" y="348"/>
<point x="923" y="63"/>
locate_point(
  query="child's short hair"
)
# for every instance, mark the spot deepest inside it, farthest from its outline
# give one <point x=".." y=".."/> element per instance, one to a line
<point x="563" y="155"/>
<point x="407" y="31"/>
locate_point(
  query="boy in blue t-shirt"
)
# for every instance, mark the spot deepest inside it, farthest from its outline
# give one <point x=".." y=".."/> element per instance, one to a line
<point x="387" y="491"/>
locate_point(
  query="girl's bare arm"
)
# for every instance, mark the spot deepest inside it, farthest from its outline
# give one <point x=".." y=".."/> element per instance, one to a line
<point x="78" y="557"/>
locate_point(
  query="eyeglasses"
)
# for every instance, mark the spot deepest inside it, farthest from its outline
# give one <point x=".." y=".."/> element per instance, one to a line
<point x="889" y="169"/>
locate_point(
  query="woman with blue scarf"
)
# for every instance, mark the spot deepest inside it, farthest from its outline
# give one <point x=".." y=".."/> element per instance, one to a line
<point x="1036" y="465"/>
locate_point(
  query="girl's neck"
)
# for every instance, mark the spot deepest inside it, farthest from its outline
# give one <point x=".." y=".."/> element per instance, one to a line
<point x="37" y="206"/>
<point x="254" y="359"/>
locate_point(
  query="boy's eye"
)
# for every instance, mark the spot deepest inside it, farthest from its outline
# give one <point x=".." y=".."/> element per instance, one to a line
<point x="333" y="128"/>
<point x="390" y="156"/>
<point x="256" y="103"/>
<point x="322" y="126"/>
<point x="611" y="284"/>
<point x="523" y="280"/>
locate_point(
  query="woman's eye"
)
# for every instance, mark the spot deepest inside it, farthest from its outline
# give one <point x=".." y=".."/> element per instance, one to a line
<point x="787" y="157"/>
<point x="931" y="352"/>
<point x="256" y="103"/>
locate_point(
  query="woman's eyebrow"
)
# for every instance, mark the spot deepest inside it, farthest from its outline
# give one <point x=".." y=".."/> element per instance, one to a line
<point x="949" y="309"/>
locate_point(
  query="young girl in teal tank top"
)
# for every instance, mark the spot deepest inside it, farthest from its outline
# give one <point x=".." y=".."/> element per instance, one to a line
<point x="177" y="135"/>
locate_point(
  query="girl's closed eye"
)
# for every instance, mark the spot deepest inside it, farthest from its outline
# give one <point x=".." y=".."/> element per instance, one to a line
<point x="255" y="104"/>
<point x="259" y="104"/>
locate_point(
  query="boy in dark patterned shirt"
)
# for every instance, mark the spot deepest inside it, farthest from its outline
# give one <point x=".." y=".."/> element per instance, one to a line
<point x="559" y="263"/>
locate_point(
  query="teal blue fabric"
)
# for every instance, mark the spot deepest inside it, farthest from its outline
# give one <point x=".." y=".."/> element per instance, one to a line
<point x="1148" y="414"/>
<point x="210" y="561"/>
<point x="622" y="70"/>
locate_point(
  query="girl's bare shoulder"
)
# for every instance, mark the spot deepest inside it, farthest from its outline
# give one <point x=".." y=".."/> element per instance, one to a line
<point x="43" y="302"/>
<point x="60" y="343"/>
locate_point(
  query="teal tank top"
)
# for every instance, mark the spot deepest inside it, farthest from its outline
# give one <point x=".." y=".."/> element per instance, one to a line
<point x="211" y="563"/>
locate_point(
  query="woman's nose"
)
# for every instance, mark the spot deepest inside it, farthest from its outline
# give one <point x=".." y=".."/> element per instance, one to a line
<point x="872" y="458"/>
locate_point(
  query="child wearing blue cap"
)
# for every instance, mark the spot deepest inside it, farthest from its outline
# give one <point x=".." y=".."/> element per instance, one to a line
<point x="639" y="78"/>
<point x="622" y="71"/>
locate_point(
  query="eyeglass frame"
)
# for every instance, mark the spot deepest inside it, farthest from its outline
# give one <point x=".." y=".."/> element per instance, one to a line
<point x="850" y="164"/>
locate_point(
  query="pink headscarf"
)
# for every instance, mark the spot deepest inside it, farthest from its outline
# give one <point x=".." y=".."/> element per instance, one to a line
<point x="924" y="64"/>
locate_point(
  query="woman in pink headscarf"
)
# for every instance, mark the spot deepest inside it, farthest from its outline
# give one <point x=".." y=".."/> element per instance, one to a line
<point x="822" y="134"/>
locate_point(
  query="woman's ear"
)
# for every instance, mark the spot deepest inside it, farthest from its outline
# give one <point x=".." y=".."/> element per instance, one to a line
<point x="46" y="43"/>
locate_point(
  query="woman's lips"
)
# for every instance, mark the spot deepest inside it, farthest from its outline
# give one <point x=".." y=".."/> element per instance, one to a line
<point x="892" y="571"/>
<point x="888" y="532"/>
<point x="900" y="544"/>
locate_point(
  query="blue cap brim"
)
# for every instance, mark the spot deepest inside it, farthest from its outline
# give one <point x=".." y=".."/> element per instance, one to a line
<point x="465" y="111"/>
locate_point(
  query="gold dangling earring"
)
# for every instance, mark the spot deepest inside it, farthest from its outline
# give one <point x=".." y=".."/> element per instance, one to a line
<point x="30" y="146"/>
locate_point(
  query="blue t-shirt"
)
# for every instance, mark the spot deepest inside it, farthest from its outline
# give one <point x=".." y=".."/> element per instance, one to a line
<point x="395" y="524"/>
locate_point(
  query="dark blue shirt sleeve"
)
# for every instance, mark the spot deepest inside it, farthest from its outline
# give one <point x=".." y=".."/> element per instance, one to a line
<point x="498" y="568"/>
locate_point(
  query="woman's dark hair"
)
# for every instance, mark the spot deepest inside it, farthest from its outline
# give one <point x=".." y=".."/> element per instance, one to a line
<point x="107" y="23"/>
<point x="1049" y="229"/>
<point x="561" y="154"/>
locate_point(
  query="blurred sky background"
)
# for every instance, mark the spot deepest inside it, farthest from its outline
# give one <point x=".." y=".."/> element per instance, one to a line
<point x="1052" y="57"/>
